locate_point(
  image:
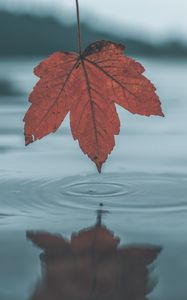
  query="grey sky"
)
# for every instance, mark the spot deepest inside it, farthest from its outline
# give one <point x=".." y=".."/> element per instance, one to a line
<point x="155" y="17"/>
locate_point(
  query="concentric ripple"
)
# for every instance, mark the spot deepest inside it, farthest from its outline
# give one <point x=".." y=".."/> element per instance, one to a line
<point x="95" y="189"/>
<point x="119" y="192"/>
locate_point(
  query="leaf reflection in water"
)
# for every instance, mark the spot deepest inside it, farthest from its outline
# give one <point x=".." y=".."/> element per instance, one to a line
<point x="92" y="265"/>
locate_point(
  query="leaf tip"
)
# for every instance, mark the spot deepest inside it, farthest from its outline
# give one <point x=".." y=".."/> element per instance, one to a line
<point x="160" y="113"/>
<point x="99" y="166"/>
<point x="29" y="138"/>
<point x="97" y="163"/>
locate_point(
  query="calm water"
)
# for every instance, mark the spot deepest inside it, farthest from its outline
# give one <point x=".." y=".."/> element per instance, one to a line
<point x="56" y="240"/>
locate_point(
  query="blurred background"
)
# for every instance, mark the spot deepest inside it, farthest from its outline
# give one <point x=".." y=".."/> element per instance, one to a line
<point x="51" y="185"/>
<point x="148" y="28"/>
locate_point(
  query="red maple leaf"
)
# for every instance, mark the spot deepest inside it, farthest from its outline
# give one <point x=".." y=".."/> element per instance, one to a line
<point x="88" y="86"/>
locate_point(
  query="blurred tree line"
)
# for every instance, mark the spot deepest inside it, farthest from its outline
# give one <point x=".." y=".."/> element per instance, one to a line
<point x="31" y="35"/>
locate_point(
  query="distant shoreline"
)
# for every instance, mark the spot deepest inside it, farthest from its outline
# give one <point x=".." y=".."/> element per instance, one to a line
<point x="31" y="35"/>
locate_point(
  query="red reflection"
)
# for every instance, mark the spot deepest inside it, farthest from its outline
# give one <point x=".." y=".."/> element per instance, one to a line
<point x="92" y="265"/>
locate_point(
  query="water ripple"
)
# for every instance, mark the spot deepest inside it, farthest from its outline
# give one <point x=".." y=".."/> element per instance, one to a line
<point x="119" y="192"/>
<point x="95" y="189"/>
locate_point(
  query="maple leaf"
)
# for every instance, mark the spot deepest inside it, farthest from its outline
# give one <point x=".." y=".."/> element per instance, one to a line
<point x="88" y="86"/>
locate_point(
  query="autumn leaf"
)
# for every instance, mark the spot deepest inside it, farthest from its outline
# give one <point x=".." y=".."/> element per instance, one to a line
<point x="88" y="86"/>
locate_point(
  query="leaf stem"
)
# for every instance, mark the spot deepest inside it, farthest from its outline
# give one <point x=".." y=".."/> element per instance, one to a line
<point x="78" y="28"/>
